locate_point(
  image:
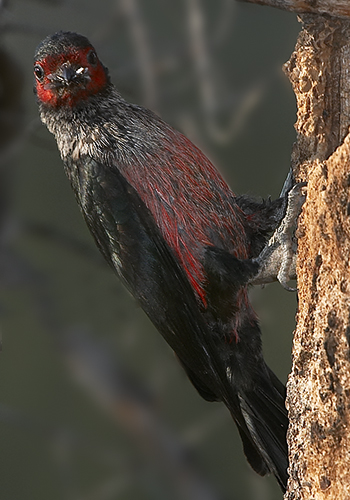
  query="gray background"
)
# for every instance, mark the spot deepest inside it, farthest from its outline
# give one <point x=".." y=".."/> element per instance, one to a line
<point x="93" y="404"/>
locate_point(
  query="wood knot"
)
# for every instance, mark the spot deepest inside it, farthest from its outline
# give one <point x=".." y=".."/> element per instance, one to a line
<point x="325" y="482"/>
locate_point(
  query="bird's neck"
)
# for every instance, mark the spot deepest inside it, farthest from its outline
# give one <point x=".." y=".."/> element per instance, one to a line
<point x="79" y="130"/>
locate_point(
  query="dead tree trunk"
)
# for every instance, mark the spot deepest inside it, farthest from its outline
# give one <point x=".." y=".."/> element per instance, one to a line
<point x="319" y="384"/>
<point x="318" y="392"/>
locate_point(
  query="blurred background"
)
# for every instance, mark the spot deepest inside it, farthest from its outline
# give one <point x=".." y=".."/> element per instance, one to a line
<point x="93" y="404"/>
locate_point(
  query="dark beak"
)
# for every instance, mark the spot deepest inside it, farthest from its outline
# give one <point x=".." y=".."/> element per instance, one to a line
<point x="69" y="75"/>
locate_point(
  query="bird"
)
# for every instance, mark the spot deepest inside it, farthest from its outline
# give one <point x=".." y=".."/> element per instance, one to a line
<point x="184" y="245"/>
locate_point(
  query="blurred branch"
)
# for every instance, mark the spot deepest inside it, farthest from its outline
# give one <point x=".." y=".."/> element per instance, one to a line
<point x="200" y="53"/>
<point x="223" y="27"/>
<point x="131" y="10"/>
<point x="336" y="8"/>
<point x="207" y="85"/>
<point x="131" y="406"/>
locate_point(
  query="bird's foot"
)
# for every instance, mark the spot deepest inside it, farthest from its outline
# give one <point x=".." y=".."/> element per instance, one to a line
<point x="277" y="260"/>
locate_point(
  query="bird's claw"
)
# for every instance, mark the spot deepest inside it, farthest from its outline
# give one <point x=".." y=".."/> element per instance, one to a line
<point x="277" y="260"/>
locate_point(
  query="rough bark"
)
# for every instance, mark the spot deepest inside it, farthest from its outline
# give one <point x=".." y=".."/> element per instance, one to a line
<point x="337" y="8"/>
<point x="319" y="384"/>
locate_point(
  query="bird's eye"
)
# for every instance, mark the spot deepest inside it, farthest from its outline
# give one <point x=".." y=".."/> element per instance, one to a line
<point x="39" y="72"/>
<point x="92" y="58"/>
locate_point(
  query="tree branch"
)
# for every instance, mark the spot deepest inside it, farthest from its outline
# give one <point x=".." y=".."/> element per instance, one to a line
<point x="336" y="8"/>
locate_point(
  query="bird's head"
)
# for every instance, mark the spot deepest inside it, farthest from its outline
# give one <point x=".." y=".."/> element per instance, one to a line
<point x="67" y="70"/>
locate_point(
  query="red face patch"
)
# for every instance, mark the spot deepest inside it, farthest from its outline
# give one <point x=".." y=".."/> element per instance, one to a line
<point x="88" y="76"/>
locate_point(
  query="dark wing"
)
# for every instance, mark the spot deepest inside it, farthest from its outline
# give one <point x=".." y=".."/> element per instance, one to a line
<point x="128" y="237"/>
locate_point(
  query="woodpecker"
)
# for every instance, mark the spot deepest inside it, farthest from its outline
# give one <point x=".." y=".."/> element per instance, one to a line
<point x="181" y="241"/>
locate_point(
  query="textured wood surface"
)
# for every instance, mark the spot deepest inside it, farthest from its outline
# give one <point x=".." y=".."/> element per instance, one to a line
<point x="336" y="8"/>
<point x="319" y="384"/>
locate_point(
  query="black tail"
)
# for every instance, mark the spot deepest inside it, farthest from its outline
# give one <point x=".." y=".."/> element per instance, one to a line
<point x="264" y="427"/>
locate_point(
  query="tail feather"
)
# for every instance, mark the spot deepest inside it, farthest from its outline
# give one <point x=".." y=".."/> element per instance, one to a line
<point x="264" y="429"/>
<point x="251" y="452"/>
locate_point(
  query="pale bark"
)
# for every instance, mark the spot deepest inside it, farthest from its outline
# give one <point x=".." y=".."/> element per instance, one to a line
<point x="336" y="8"/>
<point x="319" y="384"/>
